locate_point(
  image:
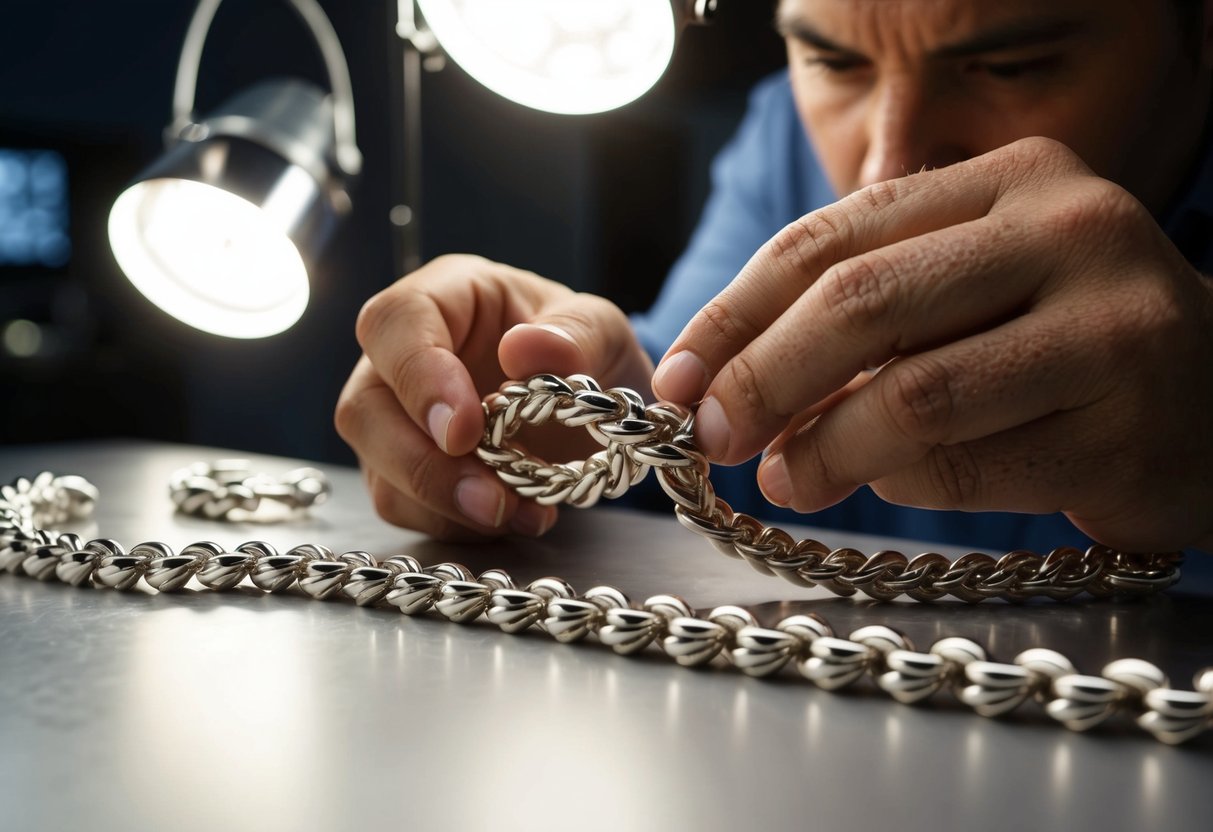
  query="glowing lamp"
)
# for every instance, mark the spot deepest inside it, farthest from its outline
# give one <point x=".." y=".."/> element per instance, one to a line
<point x="219" y="232"/>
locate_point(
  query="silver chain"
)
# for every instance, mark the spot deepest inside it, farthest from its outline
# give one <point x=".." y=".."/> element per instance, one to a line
<point x="228" y="490"/>
<point x="877" y="653"/>
<point x="636" y="438"/>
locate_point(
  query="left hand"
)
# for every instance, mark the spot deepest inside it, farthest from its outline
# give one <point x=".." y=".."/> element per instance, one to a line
<point x="1042" y="347"/>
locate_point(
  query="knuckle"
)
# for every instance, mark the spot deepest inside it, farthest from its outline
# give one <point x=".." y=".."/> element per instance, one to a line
<point x="809" y="465"/>
<point x="348" y="416"/>
<point x="919" y="399"/>
<point x="590" y="317"/>
<point x="720" y="320"/>
<point x="446" y="261"/>
<point x="954" y="477"/>
<point x="441" y="528"/>
<point x="398" y="509"/>
<point x="398" y="304"/>
<point x="386" y="500"/>
<point x="1035" y="159"/>
<point x="1038" y="151"/>
<point x="1039" y="148"/>
<point x="1099" y="206"/>
<point x="751" y="384"/>
<point x="1120" y="209"/>
<point x="373" y="316"/>
<point x="424" y="472"/>
<point x="607" y="333"/>
<point x="806" y="243"/>
<point x="402" y="369"/>
<point x="879" y="196"/>
<point x="599" y="311"/>
<point x="859" y="291"/>
<point x="445" y="264"/>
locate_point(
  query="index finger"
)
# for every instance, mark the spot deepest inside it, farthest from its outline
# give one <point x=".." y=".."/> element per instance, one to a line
<point x="874" y="217"/>
<point x="408" y="342"/>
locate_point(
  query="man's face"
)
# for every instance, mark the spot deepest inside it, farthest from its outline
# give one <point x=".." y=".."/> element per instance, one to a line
<point x="888" y="87"/>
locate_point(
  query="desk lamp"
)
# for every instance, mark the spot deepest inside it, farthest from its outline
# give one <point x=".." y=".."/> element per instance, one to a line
<point x="218" y="232"/>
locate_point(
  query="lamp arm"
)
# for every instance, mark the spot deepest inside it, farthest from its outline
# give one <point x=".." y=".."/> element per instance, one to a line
<point x="698" y="11"/>
<point x="409" y="27"/>
<point x="348" y="157"/>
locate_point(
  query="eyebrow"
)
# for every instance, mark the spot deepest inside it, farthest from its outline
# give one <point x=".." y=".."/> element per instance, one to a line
<point x="802" y="30"/>
<point x="1011" y="36"/>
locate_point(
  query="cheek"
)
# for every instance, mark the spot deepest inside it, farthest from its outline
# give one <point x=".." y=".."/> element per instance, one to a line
<point x="836" y="130"/>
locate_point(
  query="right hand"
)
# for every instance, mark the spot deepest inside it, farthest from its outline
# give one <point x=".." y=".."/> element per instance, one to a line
<point x="433" y="344"/>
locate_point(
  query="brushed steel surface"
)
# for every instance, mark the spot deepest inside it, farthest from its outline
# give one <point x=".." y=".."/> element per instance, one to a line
<point x="196" y="711"/>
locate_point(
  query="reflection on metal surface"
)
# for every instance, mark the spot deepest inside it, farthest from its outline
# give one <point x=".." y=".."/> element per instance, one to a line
<point x="654" y="734"/>
<point x="1061" y="777"/>
<point x="812" y="722"/>
<point x="1152" y="785"/>
<point x="740" y="722"/>
<point x="673" y="707"/>
<point x="203" y="693"/>
<point x="893" y="736"/>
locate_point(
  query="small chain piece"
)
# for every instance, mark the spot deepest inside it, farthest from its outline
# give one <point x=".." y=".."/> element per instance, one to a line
<point x="228" y="490"/>
<point x="660" y="436"/>
<point x="884" y="656"/>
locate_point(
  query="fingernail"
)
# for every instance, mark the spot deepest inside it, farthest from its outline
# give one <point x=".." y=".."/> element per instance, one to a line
<point x="438" y="420"/>
<point x="552" y="328"/>
<point x="712" y="428"/>
<point x="531" y="519"/>
<point x="555" y="330"/>
<point x="480" y="500"/>
<point x="774" y="481"/>
<point x="683" y="377"/>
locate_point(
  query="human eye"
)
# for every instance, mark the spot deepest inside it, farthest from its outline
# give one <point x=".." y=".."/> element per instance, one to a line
<point x="1015" y="70"/>
<point x="835" y="64"/>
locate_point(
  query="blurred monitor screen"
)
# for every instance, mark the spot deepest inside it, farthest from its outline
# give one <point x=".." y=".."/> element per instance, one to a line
<point x="34" y="208"/>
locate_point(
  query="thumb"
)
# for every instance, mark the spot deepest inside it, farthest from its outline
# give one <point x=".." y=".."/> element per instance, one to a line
<point x="579" y="333"/>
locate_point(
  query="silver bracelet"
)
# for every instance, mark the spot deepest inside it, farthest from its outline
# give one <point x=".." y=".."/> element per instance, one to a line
<point x="885" y="656"/>
<point x="229" y="490"/>
<point x="660" y="436"/>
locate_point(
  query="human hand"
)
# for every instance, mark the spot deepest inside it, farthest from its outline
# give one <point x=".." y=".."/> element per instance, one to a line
<point x="1042" y="347"/>
<point x="437" y="340"/>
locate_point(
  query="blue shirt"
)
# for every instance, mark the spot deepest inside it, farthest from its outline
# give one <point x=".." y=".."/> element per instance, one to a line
<point x="764" y="178"/>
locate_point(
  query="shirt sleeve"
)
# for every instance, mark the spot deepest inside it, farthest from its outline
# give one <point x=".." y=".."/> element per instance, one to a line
<point x="763" y="179"/>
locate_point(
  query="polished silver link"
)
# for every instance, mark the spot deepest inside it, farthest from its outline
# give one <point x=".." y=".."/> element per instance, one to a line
<point x="1130" y="687"/>
<point x="636" y="438"/>
<point x="228" y="489"/>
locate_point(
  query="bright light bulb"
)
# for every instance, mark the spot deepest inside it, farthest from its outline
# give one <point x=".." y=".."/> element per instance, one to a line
<point x="213" y="259"/>
<point x="563" y="56"/>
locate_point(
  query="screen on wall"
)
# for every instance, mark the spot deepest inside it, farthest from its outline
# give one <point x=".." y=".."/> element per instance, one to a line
<point x="35" y="218"/>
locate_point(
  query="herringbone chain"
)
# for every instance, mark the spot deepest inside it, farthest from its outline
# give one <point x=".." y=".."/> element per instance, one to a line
<point x="885" y="656"/>
<point x="637" y="438"/>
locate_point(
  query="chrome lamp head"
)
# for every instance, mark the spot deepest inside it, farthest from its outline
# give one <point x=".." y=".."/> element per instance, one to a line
<point x="221" y="230"/>
<point x="561" y="56"/>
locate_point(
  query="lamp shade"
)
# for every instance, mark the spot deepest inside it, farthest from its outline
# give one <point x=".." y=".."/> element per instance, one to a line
<point x="219" y="232"/>
<point x="562" y="56"/>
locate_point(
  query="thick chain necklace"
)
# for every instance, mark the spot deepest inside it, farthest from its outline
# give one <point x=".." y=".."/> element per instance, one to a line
<point x="636" y="438"/>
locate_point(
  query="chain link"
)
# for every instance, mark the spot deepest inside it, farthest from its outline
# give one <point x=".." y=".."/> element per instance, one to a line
<point x="636" y="438"/>
<point x="228" y="490"/>
<point x="880" y="654"/>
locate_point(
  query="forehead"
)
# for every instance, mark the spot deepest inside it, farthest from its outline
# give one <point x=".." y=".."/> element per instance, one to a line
<point x="939" y="19"/>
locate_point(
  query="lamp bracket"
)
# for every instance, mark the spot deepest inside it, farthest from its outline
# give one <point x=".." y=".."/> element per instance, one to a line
<point x="184" y="126"/>
<point x="410" y="27"/>
<point x="698" y="11"/>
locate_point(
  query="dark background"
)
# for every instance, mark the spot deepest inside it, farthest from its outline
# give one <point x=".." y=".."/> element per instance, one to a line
<point x="603" y="203"/>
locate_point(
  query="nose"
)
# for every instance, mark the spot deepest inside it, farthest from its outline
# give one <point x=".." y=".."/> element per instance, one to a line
<point x="907" y="130"/>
